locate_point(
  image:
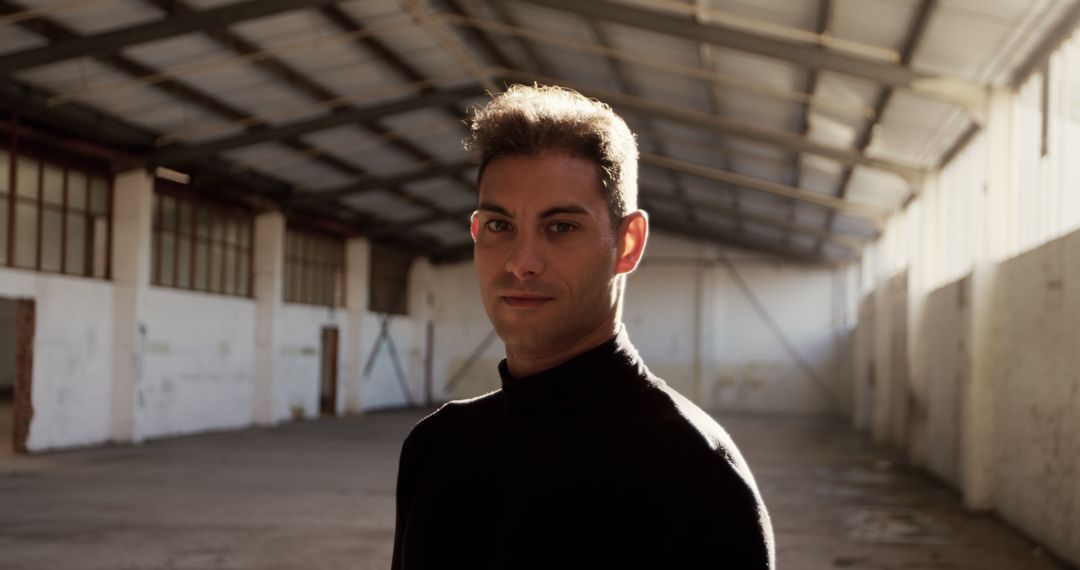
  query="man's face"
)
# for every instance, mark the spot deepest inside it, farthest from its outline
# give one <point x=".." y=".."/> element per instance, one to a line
<point x="545" y="253"/>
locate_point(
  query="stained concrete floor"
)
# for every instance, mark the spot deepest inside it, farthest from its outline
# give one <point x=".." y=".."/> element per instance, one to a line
<point x="319" y="495"/>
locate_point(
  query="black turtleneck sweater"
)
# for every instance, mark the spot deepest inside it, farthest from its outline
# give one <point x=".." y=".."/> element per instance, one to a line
<point x="595" y="463"/>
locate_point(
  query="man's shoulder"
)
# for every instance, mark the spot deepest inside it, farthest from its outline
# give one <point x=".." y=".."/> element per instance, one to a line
<point x="457" y="415"/>
<point x="695" y="433"/>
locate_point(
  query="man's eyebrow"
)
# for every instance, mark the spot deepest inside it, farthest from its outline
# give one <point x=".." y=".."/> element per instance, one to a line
<point x="488" y="207"/>
<point x="569" y="209"/>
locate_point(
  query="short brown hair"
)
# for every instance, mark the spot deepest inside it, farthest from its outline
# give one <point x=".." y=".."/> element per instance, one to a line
<point x="538" y="119"/>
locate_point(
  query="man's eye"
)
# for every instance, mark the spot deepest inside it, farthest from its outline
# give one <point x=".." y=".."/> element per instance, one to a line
<point x="562" y="227"/>
<point x="497" y="226"/>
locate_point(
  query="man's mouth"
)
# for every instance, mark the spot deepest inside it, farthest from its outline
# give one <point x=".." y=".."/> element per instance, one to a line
<point x="524" y="300"/>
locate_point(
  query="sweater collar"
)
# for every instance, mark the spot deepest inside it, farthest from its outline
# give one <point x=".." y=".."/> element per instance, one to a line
<point x="608" y="371"/>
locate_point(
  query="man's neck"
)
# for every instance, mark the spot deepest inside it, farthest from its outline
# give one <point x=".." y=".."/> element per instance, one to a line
<point x="525" y="362"/>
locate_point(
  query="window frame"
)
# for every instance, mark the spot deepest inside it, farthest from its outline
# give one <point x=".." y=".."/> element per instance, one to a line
<point x="300" y="269"/>
<point x="224" y="220"/>
<point x="66" y="163"/>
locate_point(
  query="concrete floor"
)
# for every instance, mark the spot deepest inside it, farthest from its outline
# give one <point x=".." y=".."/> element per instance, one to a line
<point x="319" y="495"/>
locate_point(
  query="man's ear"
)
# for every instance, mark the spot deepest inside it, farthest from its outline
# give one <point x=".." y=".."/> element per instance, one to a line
<point x="474" y="225"/>
<point x="633" y="233"/>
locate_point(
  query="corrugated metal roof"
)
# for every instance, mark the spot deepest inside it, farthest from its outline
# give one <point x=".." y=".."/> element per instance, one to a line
<point x="787" y="126"/>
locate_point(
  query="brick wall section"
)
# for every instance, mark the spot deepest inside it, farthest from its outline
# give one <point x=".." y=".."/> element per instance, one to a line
<point x="22" y="404"/>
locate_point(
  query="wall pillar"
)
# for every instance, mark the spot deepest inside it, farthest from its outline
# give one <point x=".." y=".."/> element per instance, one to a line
<point x="977" y="464"/>
<point x="132" y="238"/>
<point x="269" y="273"/>
<point x="357" y="268"/>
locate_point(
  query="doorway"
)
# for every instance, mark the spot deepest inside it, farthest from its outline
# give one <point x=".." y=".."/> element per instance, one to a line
<point x="16" y="367"/>
<point x="328" y="382"/>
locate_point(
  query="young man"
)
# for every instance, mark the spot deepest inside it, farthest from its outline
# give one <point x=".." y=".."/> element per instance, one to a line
<point x="584" y="459"/>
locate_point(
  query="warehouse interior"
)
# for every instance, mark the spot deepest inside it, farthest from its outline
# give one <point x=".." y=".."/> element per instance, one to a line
<point x="251" y="217"/>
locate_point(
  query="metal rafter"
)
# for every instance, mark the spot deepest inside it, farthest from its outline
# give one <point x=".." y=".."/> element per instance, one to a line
<point x="824" y="16"/>
<point x="490" y="48"/>
<point x="622" y="77"/>
<point x="105" y="43"/>
<point x="680" y="227"/>
<point x="369" y="182"/>
<point x="870" y="213"/>
<point x="778" y="222"/>
<point x="707" y="64"/>
<point x="182" y="153"/>
<point x="315" y="91"/>
<point x="403" y="68"/>
<point x="207" y="165"/>
<point x="723" y="125"/>
<point x="923" y="13"/>
<point x="885" y="73"/>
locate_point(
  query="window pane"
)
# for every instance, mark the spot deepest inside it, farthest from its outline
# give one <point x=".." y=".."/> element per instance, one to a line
<point x="183" y="268"/>
<point x="100" y="242"/>
<point x="52" y="191"/>
<point x="245" y="232"/>
<point x="215" y="267"/>
<point x="26" y="177"/>
<point x="99" y="199"/>
<point x="217" y="227"/>
<point x="75" y="262"/>
<point x="242" y="276"/>
<point x="52" y="222"/>
<point x="339" y="286"/>
<point x="168" y="213"/>
<point x="168" y="255"/>
<point x="202" y="221"/>
<point x="230" y="271"/>
<point x="202" y="254"/>
<point x="76" y="187"/>
<point x="230" y="226"/>
<point x="26" y="235"/>
<point x="295" y="278"/>
<point x="185" y="217"/>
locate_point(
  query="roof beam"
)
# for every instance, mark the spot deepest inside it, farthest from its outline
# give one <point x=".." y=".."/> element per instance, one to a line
<point x="697" y="231"/>
<point x="742" y="214"/>
<point x="178" y="154"/>
<point x="915" y="34"/>
<point x="723" y="125"/>
<point x="622" y="76"/>
<point x="871" y="214"/>
<point x="882" y="72"/>
<point x="1065" y="28"/>
<point x="176" y="25"/>
<point x="405" y="225"/>
<point x="824" y="16"/>
<point x="376" y="182"/>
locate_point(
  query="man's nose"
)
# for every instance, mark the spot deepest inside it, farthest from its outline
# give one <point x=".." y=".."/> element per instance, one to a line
<point x="525" y="260"/>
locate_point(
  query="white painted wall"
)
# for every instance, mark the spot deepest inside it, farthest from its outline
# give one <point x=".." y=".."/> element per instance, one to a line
<point x="1035" y="370"/>
<point x="700" y="331"/>
<point x="692" y="324"/>
<point x="72" y="380"/>
<point x="995" y="370"/>
<point x="298" y="367"/>
<point x="198" y="360"/>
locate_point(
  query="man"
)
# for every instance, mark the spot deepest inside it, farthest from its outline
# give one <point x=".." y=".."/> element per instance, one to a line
<point x="584" y="459"/>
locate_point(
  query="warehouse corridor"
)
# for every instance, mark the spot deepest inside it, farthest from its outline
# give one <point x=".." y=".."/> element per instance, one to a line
<point x="243" y="242"/>
<point x="319" y="495"/>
